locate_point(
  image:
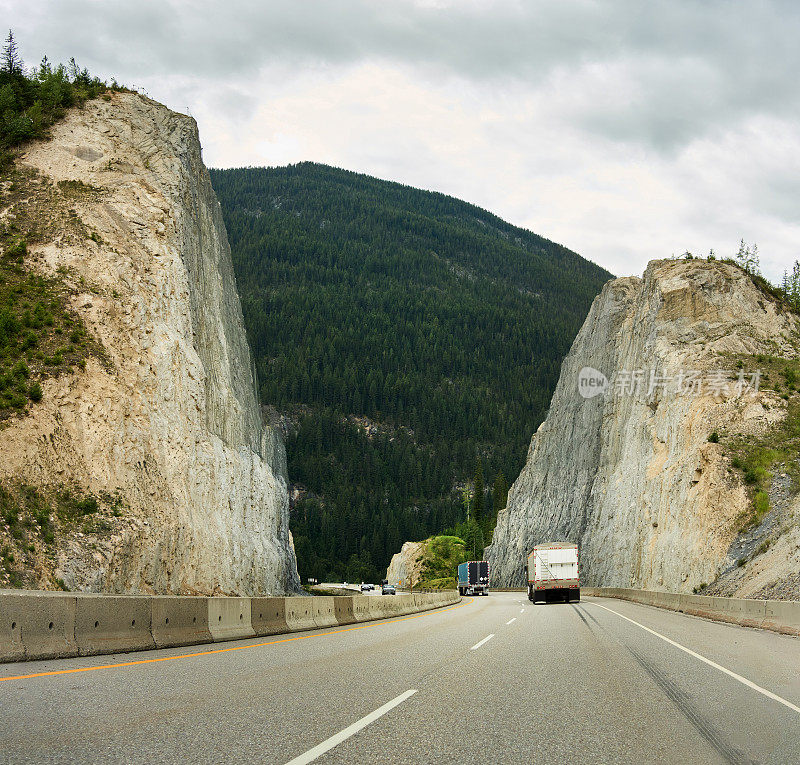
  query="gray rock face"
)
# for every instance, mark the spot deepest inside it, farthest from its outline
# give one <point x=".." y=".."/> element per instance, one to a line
<point x="172" y="422"/>
<point x="629" y="474"/>
<point x="406" y="566"/>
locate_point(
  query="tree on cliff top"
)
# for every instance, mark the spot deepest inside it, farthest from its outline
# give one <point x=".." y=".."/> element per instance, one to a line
<point x="29" y="104"/>
<point x="11" y="61"/>
<point x="747" y="258"/>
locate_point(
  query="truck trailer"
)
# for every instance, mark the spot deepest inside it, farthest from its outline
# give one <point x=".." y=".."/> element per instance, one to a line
<point x="553" y="572"/>
<point x="473" y="578"/>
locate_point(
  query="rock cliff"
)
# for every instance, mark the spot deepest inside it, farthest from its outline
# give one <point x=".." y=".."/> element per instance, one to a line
<point x="628" y="463"/>
<point x="167" y="418"/>
<point x="406" y="566"/>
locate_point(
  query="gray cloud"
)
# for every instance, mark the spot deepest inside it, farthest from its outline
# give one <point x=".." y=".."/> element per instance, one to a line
<point x="580" y="94"/>
<point x="689" y="65"/>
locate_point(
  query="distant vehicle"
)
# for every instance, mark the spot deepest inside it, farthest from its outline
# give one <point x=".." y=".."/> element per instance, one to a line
<point x="553" y="572"/>
<point x="388" y="589"/>
<point x="473" y="578"/>
<point x="367" y="587"/>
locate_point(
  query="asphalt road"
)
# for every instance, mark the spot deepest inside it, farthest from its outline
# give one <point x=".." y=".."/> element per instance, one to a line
<point x="556" y="683"/>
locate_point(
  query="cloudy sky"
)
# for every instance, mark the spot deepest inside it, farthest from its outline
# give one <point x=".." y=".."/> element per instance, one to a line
<point x="624" y="130"/>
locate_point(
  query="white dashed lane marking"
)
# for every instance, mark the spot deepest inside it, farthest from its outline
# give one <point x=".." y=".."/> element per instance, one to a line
<point x="351" y="730"/>
<point x="485" y="640"/>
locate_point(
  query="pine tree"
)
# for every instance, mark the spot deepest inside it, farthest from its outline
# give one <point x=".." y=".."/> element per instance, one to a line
<point x="12" y="61"/>
<point x="466" y="498"/>
<point x="743" y="255"/>
<point x="748" y="258"/>
<point x="477" y="497"/>
<point x="473" y="540"/>
<point x="499" y="494"/>
<point x="793" y="290"/>
<point x="45" y="68"/>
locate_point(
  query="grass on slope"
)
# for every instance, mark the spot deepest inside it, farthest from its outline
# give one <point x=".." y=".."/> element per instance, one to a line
<point x="756" y="458"/>
<point x="40" y="336"/>
<point x="440" y="560"/>
<point x="32" y="521"/>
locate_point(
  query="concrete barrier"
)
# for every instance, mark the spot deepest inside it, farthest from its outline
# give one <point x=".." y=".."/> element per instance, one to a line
<point x="300" y="613"/>
<point x="670" y="600"/>
<point x="11" y="647"/>
<point x="425" y="601"/>
<point x="404" y="604"/>
<point x="36" y="625"/>
<point x="112" y="623"/>
<point x="229" y="618"/>
<point x="44" y="625"/>
<point x="777" y="615"/>
<point x="324" y="611"/>
<point x="179" y="620"/>
<point x="361" y="608"/>
<point x="748" y="613"/>
<point x="344" y="610"/>
<point x="379" y="606"/>
<point x="422" y="602"/>
<point x="268" y="616"/>
<point x="782" y="616"/>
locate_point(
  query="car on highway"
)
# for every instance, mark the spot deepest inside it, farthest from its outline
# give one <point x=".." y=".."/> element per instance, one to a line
<point x="367" y="587"/>
<point x="388" y="589"/>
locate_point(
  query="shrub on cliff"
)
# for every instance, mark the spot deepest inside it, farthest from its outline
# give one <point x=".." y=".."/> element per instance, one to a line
<point x="31" y="102"/>
<point x="35" y="316"/>
<point x="442" y="556"/>
<point x="447" y="583"/>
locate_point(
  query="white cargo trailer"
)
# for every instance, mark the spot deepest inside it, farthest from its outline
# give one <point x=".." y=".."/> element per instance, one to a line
<point x="553" y="572"/>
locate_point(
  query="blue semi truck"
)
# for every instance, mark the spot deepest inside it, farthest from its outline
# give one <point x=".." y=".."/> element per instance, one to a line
<point x="473" y="578"/>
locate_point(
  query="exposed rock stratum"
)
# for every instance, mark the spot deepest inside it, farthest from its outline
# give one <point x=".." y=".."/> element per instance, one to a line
<point x="170" y="420"/>
<point x="406" y="566"/>
<point x="630" y="474"/>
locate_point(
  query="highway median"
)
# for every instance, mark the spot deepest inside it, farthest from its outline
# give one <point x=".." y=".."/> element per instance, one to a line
<point x="52" y="625"/>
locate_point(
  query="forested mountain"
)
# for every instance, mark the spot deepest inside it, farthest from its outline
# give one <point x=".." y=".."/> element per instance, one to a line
<point x="408" y="334"/>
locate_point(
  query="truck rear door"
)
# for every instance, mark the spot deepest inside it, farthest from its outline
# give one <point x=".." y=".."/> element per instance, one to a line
<point x="542" y="565"/>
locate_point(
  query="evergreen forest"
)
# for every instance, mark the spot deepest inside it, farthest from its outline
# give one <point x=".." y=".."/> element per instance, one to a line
<point x="413" y="341"/>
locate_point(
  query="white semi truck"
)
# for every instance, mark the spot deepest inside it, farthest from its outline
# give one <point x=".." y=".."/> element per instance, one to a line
<point x="553" y="572"/>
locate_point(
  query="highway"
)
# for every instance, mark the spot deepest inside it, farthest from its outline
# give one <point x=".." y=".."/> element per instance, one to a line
<point x="490" y="680"/>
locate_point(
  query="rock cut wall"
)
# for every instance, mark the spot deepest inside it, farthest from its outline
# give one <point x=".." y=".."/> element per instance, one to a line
<point x="630" y="474"/>
<point x="170" y="422"/>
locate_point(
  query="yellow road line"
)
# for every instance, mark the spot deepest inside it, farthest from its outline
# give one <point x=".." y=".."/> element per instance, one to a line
<point x="381" y="623"/>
